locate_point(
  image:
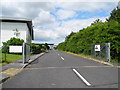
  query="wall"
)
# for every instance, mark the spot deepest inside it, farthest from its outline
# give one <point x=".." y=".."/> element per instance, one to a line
<point x="7" y="31"/>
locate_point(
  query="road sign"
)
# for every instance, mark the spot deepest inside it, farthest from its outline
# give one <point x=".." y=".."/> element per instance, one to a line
<point x="97" y="47"/>
<point x="15" y="49"/>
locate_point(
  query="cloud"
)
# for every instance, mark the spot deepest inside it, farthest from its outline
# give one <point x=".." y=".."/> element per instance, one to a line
<point x="45" y="35"/>
<point x="119" y="4"/>
<point x="43" y="18"/>
<point x="49" y="18"/>
<point x="74" y="25"/>
<point x="86" y="6"/>
<point x="64" y="14"/>
<point x="62" y="31"/>
<point x="26" y="9"/>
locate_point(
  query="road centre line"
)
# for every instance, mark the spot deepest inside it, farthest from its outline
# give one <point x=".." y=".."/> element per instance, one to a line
<point x="80" y="76"/>
<point x="62" y="58"/>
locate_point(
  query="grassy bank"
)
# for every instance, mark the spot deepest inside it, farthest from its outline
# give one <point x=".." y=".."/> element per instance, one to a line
<point x="9" y="58"/>
<point x="90" y="57"/>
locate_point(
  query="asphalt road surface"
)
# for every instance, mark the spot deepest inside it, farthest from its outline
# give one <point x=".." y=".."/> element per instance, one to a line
<point x="61" y="70"/>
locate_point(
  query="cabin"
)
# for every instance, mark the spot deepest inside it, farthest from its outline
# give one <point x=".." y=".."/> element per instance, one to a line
<point x="16" y="27"/>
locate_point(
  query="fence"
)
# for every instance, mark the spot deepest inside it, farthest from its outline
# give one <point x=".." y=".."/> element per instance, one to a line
<point x="101" y="51"/>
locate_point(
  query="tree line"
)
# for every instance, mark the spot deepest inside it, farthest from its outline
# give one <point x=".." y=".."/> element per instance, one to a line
<point x="35" y="49"/>
<point x="97" y="32"/>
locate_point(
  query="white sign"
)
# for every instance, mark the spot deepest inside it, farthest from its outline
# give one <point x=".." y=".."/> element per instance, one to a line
<point x="97" y="47"/>
<point x="15" y="49"/>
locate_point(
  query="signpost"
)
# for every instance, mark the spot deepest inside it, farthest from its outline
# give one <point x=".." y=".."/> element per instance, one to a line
<point x="97" y="47"/>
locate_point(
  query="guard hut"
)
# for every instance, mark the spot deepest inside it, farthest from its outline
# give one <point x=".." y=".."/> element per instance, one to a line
<point x="16" y="27"/>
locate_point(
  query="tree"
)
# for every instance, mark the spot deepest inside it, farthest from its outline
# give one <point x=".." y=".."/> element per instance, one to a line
<point x="12" y="41"/>
<point x="36" y="49"/>
<point x="67" y="37"/>
<point x="115" y="15"/>
<point x="96" y="21"/>
<point x="46" y="47"/>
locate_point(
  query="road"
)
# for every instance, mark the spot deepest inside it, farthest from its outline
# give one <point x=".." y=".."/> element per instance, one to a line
<point x="61" y="70"/>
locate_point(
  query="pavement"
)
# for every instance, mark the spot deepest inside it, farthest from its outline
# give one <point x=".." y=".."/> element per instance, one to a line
<point x="14" y="68"/>
<point x="62" y="70"/>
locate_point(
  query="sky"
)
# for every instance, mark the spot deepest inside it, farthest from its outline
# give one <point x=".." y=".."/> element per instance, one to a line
<point x="54" y="20"/>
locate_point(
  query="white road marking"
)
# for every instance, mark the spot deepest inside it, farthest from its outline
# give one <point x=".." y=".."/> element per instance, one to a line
<point x="84" y="80"/>
<point x="58" y="54"/>
<point x="62" y="58"/>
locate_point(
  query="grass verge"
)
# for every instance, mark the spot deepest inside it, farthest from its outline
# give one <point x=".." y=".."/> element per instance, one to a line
<point x="9" y="58"/>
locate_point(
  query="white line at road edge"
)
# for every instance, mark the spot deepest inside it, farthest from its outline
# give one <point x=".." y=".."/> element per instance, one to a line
<point x="84" y="80"/>
<point x="62" y="58"/>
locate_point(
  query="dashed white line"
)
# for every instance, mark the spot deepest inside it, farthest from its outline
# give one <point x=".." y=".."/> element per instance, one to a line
<point x="62" y="58"/>
<point x="80" y="76"/>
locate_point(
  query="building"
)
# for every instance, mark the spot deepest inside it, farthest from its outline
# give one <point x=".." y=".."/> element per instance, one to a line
<point x="15" y="27"/>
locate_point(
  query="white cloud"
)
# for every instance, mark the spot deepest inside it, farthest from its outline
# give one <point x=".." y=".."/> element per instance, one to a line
<point x="85" y="6"/>
<point x="25" y="9"/>
<point x="44" y="34"/>
<point x="43" y="18"/>
<point x="64" y="14"/>
<point x="40" y="13"/>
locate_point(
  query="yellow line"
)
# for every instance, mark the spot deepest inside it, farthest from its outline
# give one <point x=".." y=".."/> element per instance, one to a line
<point x="11" y="71"/>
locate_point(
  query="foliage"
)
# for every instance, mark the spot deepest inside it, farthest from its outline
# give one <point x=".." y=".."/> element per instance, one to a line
<point x="98" y="32"/>
<point x="39" y="48"/>
<point x="35" y="48"/>
<point x="12" y="41"/>
<point x="115" y="15"/>
<point x="46" y="46"/>
<point x="67" y="37"/>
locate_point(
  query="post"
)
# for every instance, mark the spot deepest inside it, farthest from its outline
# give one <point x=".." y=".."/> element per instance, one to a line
<point x="23" y="52"/>
<point x="5" y="52"/>
<point x="108" y="51"/>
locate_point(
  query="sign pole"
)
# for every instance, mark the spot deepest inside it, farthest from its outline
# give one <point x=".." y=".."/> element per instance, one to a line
<point x="23" y="52"/>
<point x="108" y="51"/>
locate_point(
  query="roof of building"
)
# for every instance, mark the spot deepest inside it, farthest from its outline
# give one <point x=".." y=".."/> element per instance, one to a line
<point x="22" y="20"/>
<point x="44" y="43"/>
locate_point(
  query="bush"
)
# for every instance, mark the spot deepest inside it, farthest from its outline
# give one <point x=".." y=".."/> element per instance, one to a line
<point x="12" y="41"/>
<point x="36" y="49"/>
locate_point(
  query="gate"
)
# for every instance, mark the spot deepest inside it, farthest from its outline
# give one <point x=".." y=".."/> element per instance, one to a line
<point x="101" y="51"/>
<point x="26" y="52"/>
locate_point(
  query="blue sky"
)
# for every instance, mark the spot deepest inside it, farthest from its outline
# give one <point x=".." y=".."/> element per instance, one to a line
<point x="53" y="21"/>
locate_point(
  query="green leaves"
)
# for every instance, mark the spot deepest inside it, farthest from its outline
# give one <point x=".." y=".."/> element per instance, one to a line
<point x="115" y="15"/>
<point x="14" y="41"/>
